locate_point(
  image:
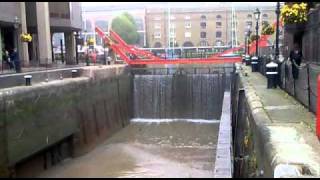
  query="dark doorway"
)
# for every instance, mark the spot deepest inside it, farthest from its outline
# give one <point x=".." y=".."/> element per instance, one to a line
<point x="8" y="37"/>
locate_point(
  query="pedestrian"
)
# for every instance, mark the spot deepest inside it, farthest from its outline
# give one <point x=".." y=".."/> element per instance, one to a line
<point x="14" y="56"/>
<point x="296" y="58"/>
<point x="6" y="58"/>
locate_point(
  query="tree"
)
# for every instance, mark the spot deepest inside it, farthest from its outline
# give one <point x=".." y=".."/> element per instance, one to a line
<point x="126" y="27"/>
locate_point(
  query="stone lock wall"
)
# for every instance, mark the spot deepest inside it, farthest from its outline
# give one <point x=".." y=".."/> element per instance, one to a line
<point x="84" y="111"/>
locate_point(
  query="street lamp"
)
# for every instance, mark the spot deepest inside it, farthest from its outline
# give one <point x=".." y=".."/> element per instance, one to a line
<point x="255" y="59"/>
<point x="277" y="31"/>
<point x="16" y="25"/>
<point x="77" y="36"/>
<point x="248" y="34"/>
<point x="272" y="68"/>
<point x="257" y="17"/>
<point x="247" y="57"/>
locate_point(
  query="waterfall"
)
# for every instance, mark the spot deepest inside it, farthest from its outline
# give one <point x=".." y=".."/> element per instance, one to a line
<point x="187" y="96"/>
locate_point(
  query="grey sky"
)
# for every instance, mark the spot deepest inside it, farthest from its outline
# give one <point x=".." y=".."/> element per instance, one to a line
<point x="127" y="4"/>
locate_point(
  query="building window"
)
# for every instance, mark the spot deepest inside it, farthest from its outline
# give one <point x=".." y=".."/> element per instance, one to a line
<point x="218" y="24"/>
<point x="157" y="25"/>
<point x="187" y="44"/>
<point x="157" y="35"/>
<point x="249" y="23"/>
<point x="203" y="25"/>
<point x="265" y="23"/>
<point x="204" y="43"/>
<point x="187" y="34"/>
<point x="265" y="16"/>
<point x="218" y="17"/>
<point x="187" y="17"/>
<point x="203" y="35"/>
<point x="219" y="43"/>
<point x="249" y="16"/>
<point x="188" y="24"/>
<point x="157" y="45"/>
<point x="203" y="18"/>
<point x="218" y="34"/>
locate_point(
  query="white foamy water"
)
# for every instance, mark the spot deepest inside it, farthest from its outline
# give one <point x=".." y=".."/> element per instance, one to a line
<point x="201" y="121"/>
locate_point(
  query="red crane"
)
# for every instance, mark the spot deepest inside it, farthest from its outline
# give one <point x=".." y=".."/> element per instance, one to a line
<point x="134" y="56"/>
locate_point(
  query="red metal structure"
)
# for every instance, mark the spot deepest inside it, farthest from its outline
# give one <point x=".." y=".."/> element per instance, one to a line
<point x="134" y="56"/>
<point x="318" y="110"/>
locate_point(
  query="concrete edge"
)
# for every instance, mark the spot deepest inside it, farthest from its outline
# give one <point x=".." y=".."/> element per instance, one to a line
<point x="262" y="122"/>
<point x="224" y="163"/>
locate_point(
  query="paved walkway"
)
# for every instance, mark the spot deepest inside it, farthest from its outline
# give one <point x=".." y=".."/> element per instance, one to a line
<point x="288" y="126"/>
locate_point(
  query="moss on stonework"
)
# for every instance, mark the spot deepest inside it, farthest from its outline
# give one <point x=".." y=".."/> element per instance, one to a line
<point x="4" y="172"/>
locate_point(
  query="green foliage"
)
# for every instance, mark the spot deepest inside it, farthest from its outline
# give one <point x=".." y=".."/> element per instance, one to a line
<point x="253" y="38"/>
<point x="267" y="29"/>
<point x="126" y="27"/>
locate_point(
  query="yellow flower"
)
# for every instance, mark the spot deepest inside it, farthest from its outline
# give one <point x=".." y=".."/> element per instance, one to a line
<point x="296" y="6"/>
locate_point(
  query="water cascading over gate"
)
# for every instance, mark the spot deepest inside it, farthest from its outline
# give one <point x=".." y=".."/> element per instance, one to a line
<point x="179" y="96"/>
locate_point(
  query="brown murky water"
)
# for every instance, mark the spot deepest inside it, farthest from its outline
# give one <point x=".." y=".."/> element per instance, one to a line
<point x="149" y="149"/>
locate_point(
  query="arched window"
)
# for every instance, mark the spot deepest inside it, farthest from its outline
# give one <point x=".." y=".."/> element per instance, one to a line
<point x="249" y="16"/>
<point x="187" y="44"/>
<point x="218" y="17"/>
<point x="203" y="25"/>
<point x="203" y="17"/>
<point x="265" y="16"/>
<point x="157" y="45"/>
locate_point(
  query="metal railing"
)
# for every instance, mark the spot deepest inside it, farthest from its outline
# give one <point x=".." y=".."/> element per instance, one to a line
<point x="304" y="88"/>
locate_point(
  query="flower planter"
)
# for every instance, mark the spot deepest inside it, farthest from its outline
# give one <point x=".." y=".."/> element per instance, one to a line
<point x="294" y="28"/>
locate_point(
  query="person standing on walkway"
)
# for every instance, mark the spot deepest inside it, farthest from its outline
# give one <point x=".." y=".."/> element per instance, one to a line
<point x="296" y="58"/>
<point x="6" y="58"/>
<point x="15" y="58"/>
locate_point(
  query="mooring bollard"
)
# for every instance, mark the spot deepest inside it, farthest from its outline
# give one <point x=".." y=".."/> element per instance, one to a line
<point x="28" y="80"/>
<point x="318" y="110"/>
<point x="109" y="60"/>
<point x="254" y="63"/>
<point x="74" y="73"/>
<point x="272" y="73"/>
<point x="247" y="60"/>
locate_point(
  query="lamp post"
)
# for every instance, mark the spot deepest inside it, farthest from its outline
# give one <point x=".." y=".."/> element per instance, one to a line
<point x="255" y="59"/>
<point x="16" y="25"/>
<point x="248" y="34"/>
<point x="277" y="31"/>
<point x="245" y="42"/>
<point x="247" y="57"/>
<point x="272" y="70"/>
<point x="257" y="16"/>
<point x="77" y="44"/>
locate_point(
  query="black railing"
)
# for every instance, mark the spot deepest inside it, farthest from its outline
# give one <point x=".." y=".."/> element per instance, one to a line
<point x="304" y="88"/>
